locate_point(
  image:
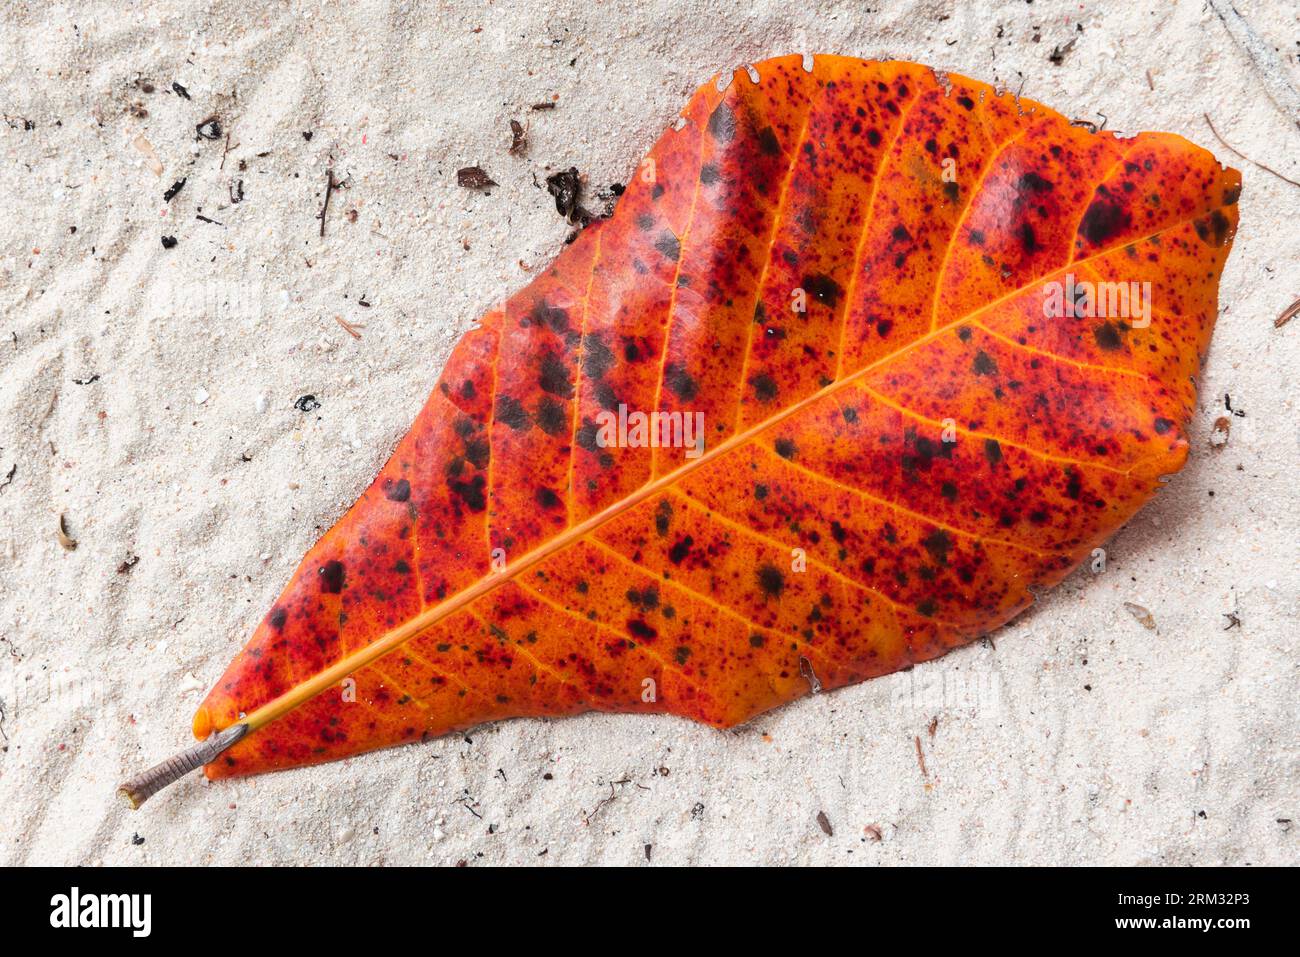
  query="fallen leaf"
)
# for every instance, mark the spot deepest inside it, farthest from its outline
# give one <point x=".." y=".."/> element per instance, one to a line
<point x="878" y="446"/>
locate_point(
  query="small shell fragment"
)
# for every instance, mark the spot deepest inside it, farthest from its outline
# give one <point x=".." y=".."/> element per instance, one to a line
<point x="67" y="541"/>
<point x="1141" y="615"/>
<point x="145" y="149"/>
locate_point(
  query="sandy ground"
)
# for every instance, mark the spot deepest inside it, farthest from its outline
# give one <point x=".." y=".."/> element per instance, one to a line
<point x="148" y="395"/>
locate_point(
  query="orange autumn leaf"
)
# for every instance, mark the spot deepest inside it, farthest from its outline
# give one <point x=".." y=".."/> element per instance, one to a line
<point x="920" y="348"/>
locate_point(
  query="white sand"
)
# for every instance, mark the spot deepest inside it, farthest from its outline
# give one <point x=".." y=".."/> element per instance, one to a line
<point x="1082" y="737"/>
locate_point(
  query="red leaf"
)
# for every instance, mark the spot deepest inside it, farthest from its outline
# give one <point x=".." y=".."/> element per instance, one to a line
<point x="844" y="273"/>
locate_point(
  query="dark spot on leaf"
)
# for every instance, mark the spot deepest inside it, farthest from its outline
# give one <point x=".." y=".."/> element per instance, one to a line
<point x="1214" y="228"/>
<point x="597" y="359"/>
<point x="551" y="416"/>
<point x="1102" y="221"/>
<point x="471" y="492"/>
<point x="771" y="580"/>
<point x="1073" y="484"/>
<point x="399" y="491"/>
<point x="510" y="412"/>
<point x="681" y="384"/>
<point x="669" y="245"/>
<point x="764" y="387"/>
<point x="1108" y="336"/>
<point x="663" y="516"/>
<point x="641" y="630"/>
<point x="937" y="543"/>
<point x="984" y="364"/>
<point x="722" y="123"/>
<point x="331" y="577"/>
<point x="555" y="376"/>
<point x="823" y="288"/>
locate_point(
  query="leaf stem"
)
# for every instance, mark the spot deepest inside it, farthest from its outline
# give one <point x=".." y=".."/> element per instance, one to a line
<point x="144" y="786"/>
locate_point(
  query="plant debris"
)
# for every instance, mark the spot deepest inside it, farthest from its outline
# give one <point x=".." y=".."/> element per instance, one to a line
<point x="67" y="541"/>
<point x="86" y="381"/>
<point x="1219" y="434"/>
<point x="473" y="177"/>
<point x="1058" y="54"/>
<point x="9" y="479"/>
<point x="1289" y="313"/>
<point x="180" y="90"/>
<point x="808" y="675"/>
<point x="175" y="188"/>
<point x="1229" y="146"/>
<point x="1141" y="616"/>
<point x="920" y="756"/>
<point x="209" y="129"/>
<point x="128" y="564"/>
<point x="825" y="824"/>
<point x="565" y="186"/>
<point x="331" y="184"/>
<point x="351" y="328"/>
<point x="544" y="105"/>
<point x="518" y="138"/>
